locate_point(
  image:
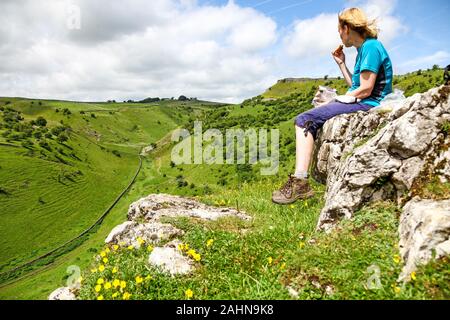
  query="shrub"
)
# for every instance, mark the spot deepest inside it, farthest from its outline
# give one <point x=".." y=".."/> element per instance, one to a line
<point x="116" y="153"/>
<point x="41" y="122"/>
<point x="62" y="137"/>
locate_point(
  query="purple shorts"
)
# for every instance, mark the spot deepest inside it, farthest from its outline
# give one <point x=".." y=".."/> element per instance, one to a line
<point x="313" y="119"/>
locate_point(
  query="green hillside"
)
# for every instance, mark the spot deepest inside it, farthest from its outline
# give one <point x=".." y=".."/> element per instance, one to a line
<point x="247" y="265"/>
<point x="57" y="176"/>
<point x="410" y="83"/>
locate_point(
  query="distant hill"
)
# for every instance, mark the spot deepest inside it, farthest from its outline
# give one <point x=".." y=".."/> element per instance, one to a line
<point x="410" y="83"/>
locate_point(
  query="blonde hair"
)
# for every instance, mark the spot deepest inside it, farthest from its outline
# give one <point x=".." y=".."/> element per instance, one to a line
<point x="357" y="20"/>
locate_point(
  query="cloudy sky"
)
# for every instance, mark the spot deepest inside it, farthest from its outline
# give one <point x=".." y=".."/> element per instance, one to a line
<point x="221" y="50"/>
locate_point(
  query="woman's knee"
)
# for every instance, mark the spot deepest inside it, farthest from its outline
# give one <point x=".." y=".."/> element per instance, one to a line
<point x="307" y="124"/>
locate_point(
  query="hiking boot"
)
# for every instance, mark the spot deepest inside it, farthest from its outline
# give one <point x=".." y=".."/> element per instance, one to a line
<point x="293" y="189"/>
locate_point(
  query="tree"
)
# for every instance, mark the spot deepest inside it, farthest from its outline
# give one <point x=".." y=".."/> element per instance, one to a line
<point x="435" y="67"/>
<point x="41" y="122"/>
<point x="182" y="98"/>
<point x="62" y="137"/>
<point x="325" y="78"/>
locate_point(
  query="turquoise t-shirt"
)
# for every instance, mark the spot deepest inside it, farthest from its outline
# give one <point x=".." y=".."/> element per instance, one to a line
<point x="372" y="56"/>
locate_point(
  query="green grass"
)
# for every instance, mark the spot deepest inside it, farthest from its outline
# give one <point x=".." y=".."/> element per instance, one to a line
<point x="50" y="196"/>
<point x="247" y="260"/>
<point x="256" y="260"/>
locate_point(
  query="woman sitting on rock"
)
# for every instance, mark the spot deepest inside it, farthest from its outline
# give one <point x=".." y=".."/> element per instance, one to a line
<point x="369" y="84"/>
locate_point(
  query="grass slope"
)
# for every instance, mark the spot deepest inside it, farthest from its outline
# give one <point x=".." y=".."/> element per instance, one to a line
<point x="246" y="260"/>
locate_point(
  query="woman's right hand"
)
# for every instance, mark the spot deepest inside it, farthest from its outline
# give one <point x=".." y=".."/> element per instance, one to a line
<point x="339" y="55"/>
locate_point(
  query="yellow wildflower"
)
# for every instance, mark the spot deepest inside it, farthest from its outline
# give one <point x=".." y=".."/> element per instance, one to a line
<point x="108" y="285"/>
<point x="270" y="260"/>
<point x="123" y="284"/>
<point x="196" y="257"/>
<point x="292" y="206"/>
<point x="413" y="276"/>
<point x="397" y="289"/>
<point x="130" y="247"/>
<point x="100" y="298"/>
<point x="191" y="252"/>
<point x="301" y="244"/>
<point x="283" y="265"/>
<point x="105" y="260"/>
<point x="94" y="270"/>
<point x="100" y="281"/>
<point x="149" y="277"/>
<point x="116" y="283"/>
<point x="140" y="240"/>
<point x="396" y="259"/>
<point x="107" y="250"/>
<point x="115" y="247"/>
<point x="139" y="279"/>
<point x="115" y="294"/>
<point x="103" y="254"/>
<point x="188" y="293"/>
<point x="126" y="296"/>
<point x="98" y="288"/>
<point x="149" y="248"/>
<point x="209" y="243"/>
<point x="114" y="270"/>
<point x="101" y="268"/>
<point x="80" y="279"/>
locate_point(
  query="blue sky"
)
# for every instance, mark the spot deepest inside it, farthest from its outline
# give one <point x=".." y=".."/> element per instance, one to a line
<point x="221" y="50"/>
<point x="427" y="23"/>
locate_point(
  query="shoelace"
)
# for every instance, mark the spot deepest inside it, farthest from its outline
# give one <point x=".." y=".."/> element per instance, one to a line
<point x="287" y="188"/>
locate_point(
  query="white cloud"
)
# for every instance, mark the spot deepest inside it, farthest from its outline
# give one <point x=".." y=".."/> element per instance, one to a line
<point x="313" y="37"/>
<point x="318" y="36"/>
<point x="439" y="58"/>
<point x="142" y="48"/>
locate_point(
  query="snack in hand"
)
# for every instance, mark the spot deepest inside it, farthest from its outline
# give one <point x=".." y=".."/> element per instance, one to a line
<point x="339" y="49"/>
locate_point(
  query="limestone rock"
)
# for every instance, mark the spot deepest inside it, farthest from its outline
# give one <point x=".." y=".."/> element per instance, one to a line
<point x="170" y="259"/>
<point x="155" y="206"/>
<point x="145" y="151"/>
<point x="152" y="232"/>
<point x="63" y="293"/>
<point x="369" y="156"/>
<point x="424" y="227"/>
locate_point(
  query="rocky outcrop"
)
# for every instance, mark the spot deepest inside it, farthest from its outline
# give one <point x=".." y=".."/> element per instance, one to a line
<point x="368" y="156"/>
<point x="129" y="232"/>
<point x="63" y="293"/>
<point x="424" y="231"/>
<point x="144" y="225"/>
<point x="156" y="206"/>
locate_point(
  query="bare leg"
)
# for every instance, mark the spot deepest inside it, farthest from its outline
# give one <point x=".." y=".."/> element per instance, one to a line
<point x="304" y="147"/>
